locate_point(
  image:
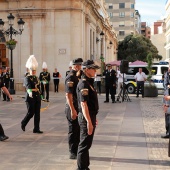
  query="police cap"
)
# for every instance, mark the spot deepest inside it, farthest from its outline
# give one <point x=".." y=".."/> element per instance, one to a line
<point x="77" y="61"/>
<point x="90" y="64"/>
<point x="108" y="65"/>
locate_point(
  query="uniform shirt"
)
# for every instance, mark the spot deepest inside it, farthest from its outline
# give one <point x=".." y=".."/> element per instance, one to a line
<point x="56" y="76"/>
<point x="71" y="82"/>
<point x="87" y="93"/>
<point x="140" y="76"/>
<point x="32" y="82"/>
<point x="110" y="77"/>
<point x="45" y="76"/>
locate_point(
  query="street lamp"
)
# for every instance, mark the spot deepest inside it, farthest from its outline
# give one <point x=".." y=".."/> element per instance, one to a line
<point x="10" y="32"/>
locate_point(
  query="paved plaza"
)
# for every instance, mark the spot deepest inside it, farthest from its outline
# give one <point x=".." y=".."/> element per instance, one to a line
<point x="127" y="137"/>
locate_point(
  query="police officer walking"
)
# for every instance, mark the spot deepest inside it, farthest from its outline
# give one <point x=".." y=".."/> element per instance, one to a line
<point x="88" y="109"/>
<point x="110" y="83"/>
<point x="45" y="79"/>
<point x="33" y="98"/>
<point x="5" y="90"/>
<point x="71" y="109"/>
<point x="6" y="78"/>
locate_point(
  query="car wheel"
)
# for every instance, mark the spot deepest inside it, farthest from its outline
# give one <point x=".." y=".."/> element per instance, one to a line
<point x="131" y="88"/>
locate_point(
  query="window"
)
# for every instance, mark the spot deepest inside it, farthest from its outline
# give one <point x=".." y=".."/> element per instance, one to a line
<point x="121" y="23"/>
<point x="122" y="14"/>
<point x="110" y="6"/>
<point x="163" y="69"/>
<point x="132" y="6"/>
<point x="134" y="70"/>
<point x="132" y="15"/>
<point x="121" y="33"/>
<point x="110" y="14"/>
<point x="121" y="5"/>
<point x="154" y="70"/>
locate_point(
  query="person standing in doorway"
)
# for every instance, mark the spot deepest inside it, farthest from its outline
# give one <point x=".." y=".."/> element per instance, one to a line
<point x="56" y="79"/>
<point x="140" y="78"/>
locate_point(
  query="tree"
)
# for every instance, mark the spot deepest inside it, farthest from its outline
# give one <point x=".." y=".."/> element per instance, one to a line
<point x="136" y="47"/>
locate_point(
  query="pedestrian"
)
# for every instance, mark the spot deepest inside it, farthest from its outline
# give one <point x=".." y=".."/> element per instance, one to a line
<point x="32" y="98"/>
<point x="110" y="83"/>
<point x="88" y="109"/>
<point x="163" y="76"/>
<point x="6" y="79"/>
<point x="120" y="77"/>
<point x="56" y="79"/>
<point x="71" y="109"/>
<point x="45" y="80"/>
<point x="67" y="72"/>
<point x="5" y="90"/>
<point x="140" y="78"/>
<point x="166" y="103"/>
<point x="97" y="81"/>
<point x="166" y="108"/>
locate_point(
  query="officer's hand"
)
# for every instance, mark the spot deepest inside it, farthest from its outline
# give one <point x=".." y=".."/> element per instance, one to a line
<point x="165" y="109"/>
<point x="73" y="114"/>
<point x="89" y="128"/>
<point x="167" y="98"/>
<point x="30" y="94"/>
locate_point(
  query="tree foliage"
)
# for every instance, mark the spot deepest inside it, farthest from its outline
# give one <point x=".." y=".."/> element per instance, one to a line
<point x="136" y="47"/>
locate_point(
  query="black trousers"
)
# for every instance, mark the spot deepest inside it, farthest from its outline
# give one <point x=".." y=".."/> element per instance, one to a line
<point x="140" y="85"/>
<point x="110" y="90"/>
<point x="73" y="131"/>
<point x="167" y="123"/>
<point x="56" y="85"/>
<point x="1" y="131"/>
<point x="45" y="88"/>
<point x="33" y="110"/>
<point x="83" y="160"/>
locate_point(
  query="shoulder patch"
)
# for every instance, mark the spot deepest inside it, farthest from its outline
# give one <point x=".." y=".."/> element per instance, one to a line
<point x="70" y="83"/>
<point x="85" y="92"/>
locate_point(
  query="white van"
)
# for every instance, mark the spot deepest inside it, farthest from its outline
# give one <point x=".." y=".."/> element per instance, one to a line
<point x="158" y="70"/>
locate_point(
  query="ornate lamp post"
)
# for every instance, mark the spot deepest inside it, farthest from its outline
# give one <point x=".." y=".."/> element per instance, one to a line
<point x="11" y="45"/>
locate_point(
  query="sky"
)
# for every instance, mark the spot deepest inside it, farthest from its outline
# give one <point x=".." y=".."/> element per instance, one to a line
<point x="151" y="10"/>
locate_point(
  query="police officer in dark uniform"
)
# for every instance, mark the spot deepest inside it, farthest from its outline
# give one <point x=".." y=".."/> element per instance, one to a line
<point x="88" y="109"/>
<point x="110" y="83"/>
<point x="5" y="90"/>
<point x="71" y="109"/>
<point x="6" y="78"/>
<point x="33" y="97"/>
<point x="45" y="79"/>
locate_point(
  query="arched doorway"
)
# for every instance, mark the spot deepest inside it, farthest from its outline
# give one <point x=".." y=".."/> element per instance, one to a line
<point x="4" y="62"/>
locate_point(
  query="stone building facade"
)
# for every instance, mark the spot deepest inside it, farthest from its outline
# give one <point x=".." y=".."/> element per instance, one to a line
<point x="56" y="31"/>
